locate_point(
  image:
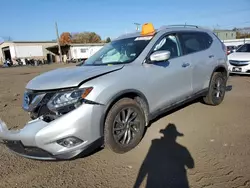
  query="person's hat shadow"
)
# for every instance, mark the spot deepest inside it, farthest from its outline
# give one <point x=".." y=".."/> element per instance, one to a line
<point x="166" y="162"/>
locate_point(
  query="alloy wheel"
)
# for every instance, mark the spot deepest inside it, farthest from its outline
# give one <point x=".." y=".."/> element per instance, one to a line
<point x="219" y="88"/>
<point x="126" y="126"/>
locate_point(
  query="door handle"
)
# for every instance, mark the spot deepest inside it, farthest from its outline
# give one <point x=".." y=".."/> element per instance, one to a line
<point x="211" y="56"/>
<point x="185" y="64"/>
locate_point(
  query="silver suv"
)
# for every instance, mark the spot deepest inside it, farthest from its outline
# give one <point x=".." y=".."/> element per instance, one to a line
<point x="119" y="90"/>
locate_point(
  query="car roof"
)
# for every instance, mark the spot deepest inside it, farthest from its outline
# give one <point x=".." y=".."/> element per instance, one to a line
<point x="165" y="29"/>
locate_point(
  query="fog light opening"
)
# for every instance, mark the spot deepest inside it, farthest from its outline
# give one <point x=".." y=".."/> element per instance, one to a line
<point x="69" y="142"/>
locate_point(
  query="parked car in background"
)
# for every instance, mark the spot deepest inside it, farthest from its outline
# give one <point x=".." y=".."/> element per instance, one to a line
<point x="239" y="46"/>
<point x="118" y="91"/>
<point x="231" y="49"/>
<point x="239" y="62"/>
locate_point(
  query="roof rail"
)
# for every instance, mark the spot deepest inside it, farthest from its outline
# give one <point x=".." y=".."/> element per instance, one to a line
<point x="184" y="25"/>
<point x="168" y="26"/>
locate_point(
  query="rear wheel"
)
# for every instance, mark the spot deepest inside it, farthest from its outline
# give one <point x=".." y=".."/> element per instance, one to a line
<point x="124" y="126"/>
<point x="217" y="89"/>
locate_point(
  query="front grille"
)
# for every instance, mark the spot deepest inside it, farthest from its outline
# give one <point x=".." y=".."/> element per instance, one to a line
<point x="18" y="147"/>
<point x="46" y="98"/>
<point x="31" y="100"/>
<point x="43" y="109"/>
<point x="31" y="96"/>
<point x="239" y="63"/>
<point x="37" y="103"/>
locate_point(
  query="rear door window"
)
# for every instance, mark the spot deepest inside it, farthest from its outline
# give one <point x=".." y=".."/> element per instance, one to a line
<point x="195" y="41"/>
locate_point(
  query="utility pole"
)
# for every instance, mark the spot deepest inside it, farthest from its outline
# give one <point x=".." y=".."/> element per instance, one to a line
<point x="58" y="43"/>
<point x="137" y="26"/>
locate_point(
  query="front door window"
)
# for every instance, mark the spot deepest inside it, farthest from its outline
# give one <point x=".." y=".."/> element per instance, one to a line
<point x="170" y="44"/>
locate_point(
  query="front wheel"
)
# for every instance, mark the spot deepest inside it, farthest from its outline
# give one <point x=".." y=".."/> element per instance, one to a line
<point x="124" y="126"/>
<point x="217" y="89"/>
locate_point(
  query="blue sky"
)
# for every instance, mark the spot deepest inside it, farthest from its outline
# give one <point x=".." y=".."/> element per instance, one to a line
<point x="35" y="19"/>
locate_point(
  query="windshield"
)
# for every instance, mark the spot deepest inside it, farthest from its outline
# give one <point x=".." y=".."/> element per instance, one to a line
<point x="119" y="51"/>
<point x="244" y="48"/>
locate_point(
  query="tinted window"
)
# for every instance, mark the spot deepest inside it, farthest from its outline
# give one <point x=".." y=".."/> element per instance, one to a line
<point x="195" y="42"/>
<point x="244" y="48"/>
<point x="168" y="43"/>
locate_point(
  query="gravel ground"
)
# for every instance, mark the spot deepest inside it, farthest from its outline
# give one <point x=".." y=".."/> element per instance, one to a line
<point x="212" y="151"/>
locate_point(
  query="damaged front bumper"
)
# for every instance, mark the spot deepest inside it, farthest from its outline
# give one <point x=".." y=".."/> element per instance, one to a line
<point x="15" y="140"/>
<point x="39" y="139"/>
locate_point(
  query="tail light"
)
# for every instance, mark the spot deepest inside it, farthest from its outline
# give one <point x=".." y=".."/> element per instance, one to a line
<point x="225" y="49"/>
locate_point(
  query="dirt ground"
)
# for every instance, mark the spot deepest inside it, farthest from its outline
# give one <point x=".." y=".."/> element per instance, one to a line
<point x="213" y="151"/>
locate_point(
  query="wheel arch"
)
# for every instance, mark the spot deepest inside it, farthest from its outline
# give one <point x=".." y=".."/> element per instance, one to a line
<point x="222" y="69"/>
<point x="208" y="98"/>
<point x="219" y="68"/>
<point x="130" y="93"/>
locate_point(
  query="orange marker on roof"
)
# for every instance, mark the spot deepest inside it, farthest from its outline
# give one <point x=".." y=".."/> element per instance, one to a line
<point x="148" y="29"/>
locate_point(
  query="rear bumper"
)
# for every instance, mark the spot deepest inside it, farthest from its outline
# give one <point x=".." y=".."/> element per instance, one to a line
<point x="38" y="139"/>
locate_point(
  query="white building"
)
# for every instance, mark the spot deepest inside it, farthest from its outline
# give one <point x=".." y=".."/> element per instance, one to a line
<point x="47" y="50"/>
<point x="236" y="42"/>
<point x="84" y="51"/>
<point x="26" y="49"/>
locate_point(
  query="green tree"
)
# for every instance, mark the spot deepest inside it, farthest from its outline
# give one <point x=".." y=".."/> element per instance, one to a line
<point x="242" y="35"/>
<point x="235" y="29"/>
<point x="86" y="37"/>
<point x="108" y="40"/>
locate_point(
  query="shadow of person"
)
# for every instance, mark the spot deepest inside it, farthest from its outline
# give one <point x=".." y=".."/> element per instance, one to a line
<point x="166" y="162"/>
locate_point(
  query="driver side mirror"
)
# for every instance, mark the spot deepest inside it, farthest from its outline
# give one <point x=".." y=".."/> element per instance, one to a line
<point x="159" y="56"/>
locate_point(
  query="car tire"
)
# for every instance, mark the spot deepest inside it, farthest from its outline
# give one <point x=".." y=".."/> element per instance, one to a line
<point x="217" y="89"/>
<point x="124" y="126"/>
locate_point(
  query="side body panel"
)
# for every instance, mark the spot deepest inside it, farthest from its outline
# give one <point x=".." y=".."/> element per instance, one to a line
<point x="160" y="85"/>
<point x="168" y="82"/>
<point x="204" y="53"/>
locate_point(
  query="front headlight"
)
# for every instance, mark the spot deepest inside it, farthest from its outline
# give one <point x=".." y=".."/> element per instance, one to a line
<point x="67" y="98"/>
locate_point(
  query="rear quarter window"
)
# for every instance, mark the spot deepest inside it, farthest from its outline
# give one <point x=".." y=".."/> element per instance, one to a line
<point x="195" y="41"/>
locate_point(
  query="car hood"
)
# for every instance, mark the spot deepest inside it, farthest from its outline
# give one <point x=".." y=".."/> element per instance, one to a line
<point x="239" y="56"/>
<point x="69" y="77"/>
